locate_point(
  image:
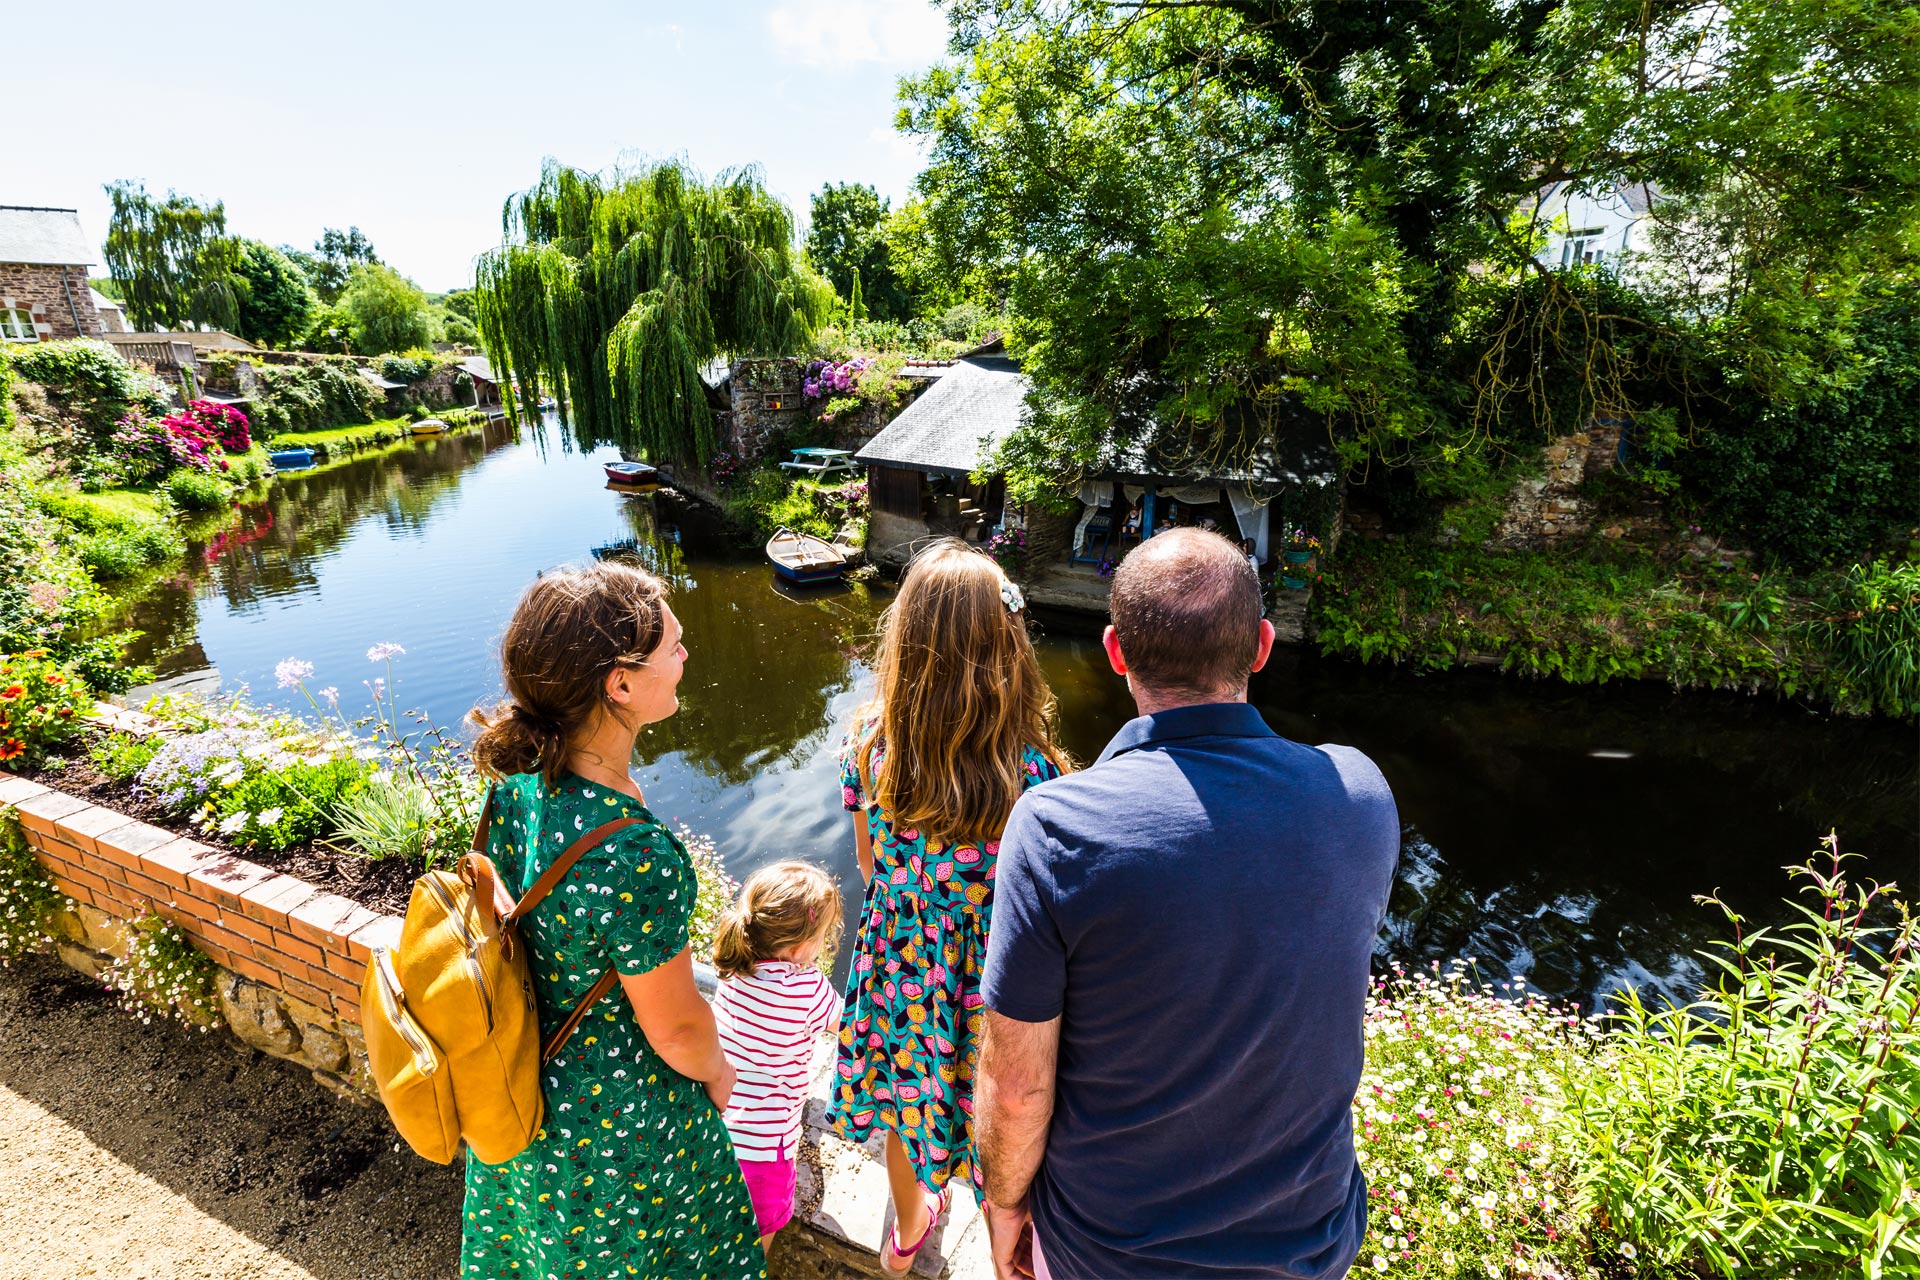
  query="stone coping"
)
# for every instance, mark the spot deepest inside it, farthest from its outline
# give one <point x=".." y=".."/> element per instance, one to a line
<point x="292" y="957"/>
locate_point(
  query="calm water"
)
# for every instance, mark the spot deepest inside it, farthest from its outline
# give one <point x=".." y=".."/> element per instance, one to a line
<point x="1550" y="832"/>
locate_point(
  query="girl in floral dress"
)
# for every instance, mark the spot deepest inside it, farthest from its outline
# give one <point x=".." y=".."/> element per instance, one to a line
<point x="632" y="1172"/>
<point x="958" y="729"/>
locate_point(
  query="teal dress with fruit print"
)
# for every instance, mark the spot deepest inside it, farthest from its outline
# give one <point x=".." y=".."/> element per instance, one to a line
<point x="910" y="1031"/>
<point x="632" y="1172"/>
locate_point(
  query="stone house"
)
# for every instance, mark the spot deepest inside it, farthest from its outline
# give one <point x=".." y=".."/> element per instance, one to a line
<point x="44" y="293"/>
<point x="113" y="316"/>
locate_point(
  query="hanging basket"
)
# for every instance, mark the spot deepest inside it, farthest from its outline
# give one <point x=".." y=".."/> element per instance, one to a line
<point x="1298" y="557"/>
<point x="1293" y="584"/>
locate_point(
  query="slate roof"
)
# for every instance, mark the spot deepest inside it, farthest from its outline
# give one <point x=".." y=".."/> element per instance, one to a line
<point x="478" y="367"/>
<point x="44" y="237"/>
<point x="958" y="422"/>
<point x="385" y="384"/>
<point x="101" y="302"/>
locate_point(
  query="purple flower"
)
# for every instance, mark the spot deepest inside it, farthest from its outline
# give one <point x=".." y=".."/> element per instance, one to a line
<point x="384" y="650"/>
<point x="291" y="671"/>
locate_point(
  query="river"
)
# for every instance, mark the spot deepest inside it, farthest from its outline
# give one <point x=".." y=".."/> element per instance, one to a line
<point x="1549" y="832"/>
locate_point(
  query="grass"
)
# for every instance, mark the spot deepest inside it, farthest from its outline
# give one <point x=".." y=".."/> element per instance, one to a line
<point x="347" y="439"/>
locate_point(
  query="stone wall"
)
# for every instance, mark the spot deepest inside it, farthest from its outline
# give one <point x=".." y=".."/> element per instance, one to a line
<point x="54" y="296"/>
<point x="767" y="401"/>
<point x="1552" y="508"/>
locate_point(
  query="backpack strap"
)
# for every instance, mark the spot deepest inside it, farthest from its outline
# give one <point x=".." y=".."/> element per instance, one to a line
<point x="558" y="1040"/>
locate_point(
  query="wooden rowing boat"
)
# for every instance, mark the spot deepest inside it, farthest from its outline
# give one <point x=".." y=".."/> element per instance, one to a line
<point x="632" y="473"/>
<point x="802" y="558"/>
<point x="428" y="427"/>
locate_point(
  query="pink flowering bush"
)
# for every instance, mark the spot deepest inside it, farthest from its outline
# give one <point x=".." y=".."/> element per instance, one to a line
<point x="197" y="438"/>
<point x="226" y="424"/>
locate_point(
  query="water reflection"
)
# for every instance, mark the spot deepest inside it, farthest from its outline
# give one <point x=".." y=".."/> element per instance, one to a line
<point x="1559" y="833"/>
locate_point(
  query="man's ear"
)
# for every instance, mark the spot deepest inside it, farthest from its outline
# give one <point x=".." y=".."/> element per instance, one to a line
<point x="1110" y="641"/>
<point x="1264" y="649"/>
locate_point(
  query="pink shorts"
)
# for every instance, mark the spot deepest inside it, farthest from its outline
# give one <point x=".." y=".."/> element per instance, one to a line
<point x="770" y="1185"/>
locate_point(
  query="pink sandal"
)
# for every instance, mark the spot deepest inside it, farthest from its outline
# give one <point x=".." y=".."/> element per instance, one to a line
<point x="891" y="1249"/>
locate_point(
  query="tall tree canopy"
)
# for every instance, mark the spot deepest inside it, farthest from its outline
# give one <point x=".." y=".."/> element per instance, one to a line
<point x="276" y="302"/>
<point x="1323" y="205"/>
<point x="385" y="311"/>
<point x="172" y="259"/>
<point x="846" y="238"/>
<point x="335" y="256"/>
<point x="612" y="291"/>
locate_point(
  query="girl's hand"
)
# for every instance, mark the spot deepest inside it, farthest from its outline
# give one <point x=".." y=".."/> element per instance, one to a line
<point x="720" y="1088"/>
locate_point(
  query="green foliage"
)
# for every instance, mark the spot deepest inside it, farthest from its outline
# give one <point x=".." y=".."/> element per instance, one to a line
<point x="276" y="302"/>
<point x="715" y="891"/>
<point x="845" y="242"/>
<point x="611" y="291"/>
<point x="391" y="817"/>
<point x="311" y="397"/>
<point x="198" y="490"/>
<point x="386" y="311"/>
<point x="42" y="705"/>
<point x="1459" y="1127"/>
<point x="350" y="439"/>
<point x="87" y="380"/>
<point x="29" y="901"/>
<point x="765" y="500"/>
<point x="122" y="755"/>
<point x="163" y="974"/>
<point x="121" y="553"/>
<point x="1768" y="1128"/>
<point x="405" y="368"/>
<point x="335" y="255"/>
<point x="1872" y="631"/>
<point x="1836" y="473"/>
<point x="173" y="260"/>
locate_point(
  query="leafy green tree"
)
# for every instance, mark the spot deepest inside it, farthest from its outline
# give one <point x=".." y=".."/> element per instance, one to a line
<point x="277" y="303"/>
<point x="172" y="259"/>
<point x="612" y="290"/>
<point x="335" y="255"/>
<point x="386" y="311"/>
<point x="1248" y="212"/>
<point x="845" y="240"/>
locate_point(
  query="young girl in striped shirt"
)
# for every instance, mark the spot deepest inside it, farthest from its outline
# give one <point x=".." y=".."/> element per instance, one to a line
<point x="772" y="1002"/>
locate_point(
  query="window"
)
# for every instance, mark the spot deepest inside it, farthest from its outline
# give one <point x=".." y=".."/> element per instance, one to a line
<point x="16" y="325"/>
<point x="1583" y="247"/>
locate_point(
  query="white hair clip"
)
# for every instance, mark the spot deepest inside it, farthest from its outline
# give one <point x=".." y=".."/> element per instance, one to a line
<point x="1011" y="597"/>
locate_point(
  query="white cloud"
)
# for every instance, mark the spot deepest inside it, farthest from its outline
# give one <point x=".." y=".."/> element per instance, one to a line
<point x="825" y="33"/>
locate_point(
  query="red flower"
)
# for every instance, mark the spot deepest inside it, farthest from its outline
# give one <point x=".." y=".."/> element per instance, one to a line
<point x="12" y="748"/>
<point x="56" y="678"/>
<point x="12" y="692"/>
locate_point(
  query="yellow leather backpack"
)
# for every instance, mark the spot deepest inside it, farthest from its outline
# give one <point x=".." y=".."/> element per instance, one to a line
<point x="453" y="1036"/>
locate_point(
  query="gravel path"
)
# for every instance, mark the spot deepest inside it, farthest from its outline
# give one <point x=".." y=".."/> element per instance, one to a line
<point x="131" y="1152"/>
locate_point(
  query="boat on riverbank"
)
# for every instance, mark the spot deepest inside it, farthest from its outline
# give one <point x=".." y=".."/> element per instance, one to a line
<point x="632" y="473"/>
<point x="291" y="459"/>
<point x="428" y="427"/>
<point x="803" y="558"/>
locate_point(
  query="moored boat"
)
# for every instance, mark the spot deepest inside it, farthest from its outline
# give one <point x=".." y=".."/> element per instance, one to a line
<point x="803" y="558"/>
<point x="632" y="473"/>
<point x="428" y="427"/>
<point x="290" y="459"/>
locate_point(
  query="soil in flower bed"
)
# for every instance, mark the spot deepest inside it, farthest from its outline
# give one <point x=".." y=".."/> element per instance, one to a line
<point x="378" y="886"/>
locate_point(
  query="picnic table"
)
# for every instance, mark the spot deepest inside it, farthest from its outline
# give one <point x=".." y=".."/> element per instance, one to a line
<point x="822" y="462"/>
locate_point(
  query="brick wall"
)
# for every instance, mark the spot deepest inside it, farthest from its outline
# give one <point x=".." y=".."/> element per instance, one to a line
<point x="293" y="955"/>
<point x="39" y="289"/>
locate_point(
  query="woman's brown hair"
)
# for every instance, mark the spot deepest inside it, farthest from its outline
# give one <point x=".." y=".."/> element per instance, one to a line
<point x="960" y="696"/>
<point x="570" y="629"/>
<point x="780" y="907"/>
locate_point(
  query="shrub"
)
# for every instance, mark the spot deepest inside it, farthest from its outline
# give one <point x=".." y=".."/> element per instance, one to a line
<point x="226" y="424"/>
<point x="1872" y="632"/>
<point x="122" y="755"/>
<point x="405" y="368"/>
<point x="1768" y="1128"/>
<point x="198" y="491"/>
<point x="256" y="780"/>
<point x="41" y="706"/>
<point x="1458" y="1127"/>
<point x="122" y="552"/>
<point x="29" y="900"/>
<point x="717" y="891"/>
<point x="88" y="380"/>
<point x="163" y="974"/>
<point x="311" y="397"/>
<point x="392" y="816"/>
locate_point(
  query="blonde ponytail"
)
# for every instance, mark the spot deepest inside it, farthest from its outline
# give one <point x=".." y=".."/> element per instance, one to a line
<point x="780" y="908"/>
<point x="732" y="950"/>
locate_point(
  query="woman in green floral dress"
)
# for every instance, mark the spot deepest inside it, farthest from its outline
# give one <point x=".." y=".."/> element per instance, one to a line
<point x="632" y="1172"/>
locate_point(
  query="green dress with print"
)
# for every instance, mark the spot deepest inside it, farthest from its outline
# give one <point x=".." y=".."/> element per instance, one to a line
<point x="632" y="1172"/>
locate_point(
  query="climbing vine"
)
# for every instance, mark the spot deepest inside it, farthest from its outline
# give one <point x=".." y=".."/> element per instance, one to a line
<point x="29" y="900"/>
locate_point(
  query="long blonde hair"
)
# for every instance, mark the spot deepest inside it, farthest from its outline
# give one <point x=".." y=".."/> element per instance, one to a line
<point x="960" y="695"/>
<point x="779" y="908"/>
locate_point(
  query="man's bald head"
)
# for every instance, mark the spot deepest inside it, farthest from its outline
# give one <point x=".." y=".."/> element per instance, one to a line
<point x="1186" y="613"/>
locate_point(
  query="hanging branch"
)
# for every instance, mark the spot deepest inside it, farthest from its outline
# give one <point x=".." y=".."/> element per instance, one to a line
<point x="612" y="292"/>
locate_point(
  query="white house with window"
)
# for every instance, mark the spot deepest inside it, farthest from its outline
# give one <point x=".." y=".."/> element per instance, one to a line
<point x="1593" y="227"/>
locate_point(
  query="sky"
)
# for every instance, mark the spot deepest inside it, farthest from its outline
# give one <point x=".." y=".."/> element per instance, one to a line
<point x="416" y="121"/>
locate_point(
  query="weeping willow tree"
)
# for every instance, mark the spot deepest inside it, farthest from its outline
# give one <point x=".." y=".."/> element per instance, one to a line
<point x="173" y="259"/>
<point x="611" y="291"/>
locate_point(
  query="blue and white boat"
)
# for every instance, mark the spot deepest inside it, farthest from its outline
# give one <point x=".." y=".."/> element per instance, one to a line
<point x="802" y="558"/>
<point x="290" y="459"/>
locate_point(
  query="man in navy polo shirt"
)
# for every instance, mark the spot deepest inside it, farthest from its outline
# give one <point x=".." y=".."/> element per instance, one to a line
<point x="1177" y="973"/>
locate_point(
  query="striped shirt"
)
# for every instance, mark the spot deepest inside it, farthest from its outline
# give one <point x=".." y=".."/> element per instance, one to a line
<point x="767" y="1024"/>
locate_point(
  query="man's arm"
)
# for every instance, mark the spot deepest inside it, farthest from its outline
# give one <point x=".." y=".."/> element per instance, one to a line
<point x="1013" y="1103"/>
